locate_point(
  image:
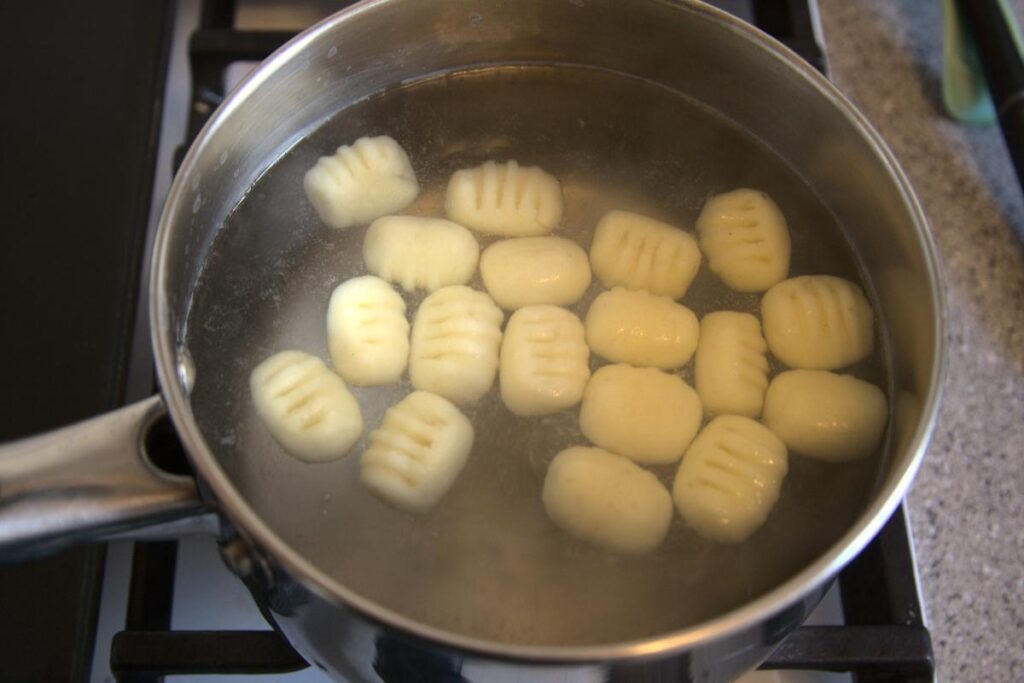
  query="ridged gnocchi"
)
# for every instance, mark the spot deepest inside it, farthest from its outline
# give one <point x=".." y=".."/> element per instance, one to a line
<point x="370" y="178"/>
<point x="456" y="337"/>
<point x="505" y="199"/>
<point x="367" y="333"/>
<point x="826" y="416"/>
<point x="642" y="413"/>
<point x="417" y="453"/>
<point x="640" y="328"/>
<point x="731" y="368"/>
<point x="305" y="407"/>
<point x="818" y="322"/>
<point x="744" y="236"/>
<point x="527" y="271"/>
<point x="638" y="252"/>
<point x="420" y="253"/>
<point x="730" y="478"/>
<point x="544" y="361"/>
<point x="605" y="500"/>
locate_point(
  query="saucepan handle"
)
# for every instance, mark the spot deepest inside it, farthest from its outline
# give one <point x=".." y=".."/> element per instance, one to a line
<point x="87" y="481"/>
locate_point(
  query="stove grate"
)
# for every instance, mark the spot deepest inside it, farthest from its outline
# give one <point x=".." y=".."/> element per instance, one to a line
<point x="884" y="639"/>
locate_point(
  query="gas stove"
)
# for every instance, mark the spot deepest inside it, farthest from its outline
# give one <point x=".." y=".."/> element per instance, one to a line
<point x="170" y="610"/>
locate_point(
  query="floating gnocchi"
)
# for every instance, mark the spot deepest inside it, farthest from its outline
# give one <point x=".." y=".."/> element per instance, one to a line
<point x="818" y="322"/>
<point x="455" y="342"/>
<point x="744" y="235"/>
<point x="826" y="416"/>
<point x="641" y="329"/>
<point x="367" y="333"/>
<point x="505" y="199"/>
<point x="638" y="252"/>
<point x="305" y="407"/>
<point x="731" y="368"/>
<point x="368" y="179"/>
<point x="420" y="253"/>
<point x="607" y="501"/>
<point x="417" y="453"/>
<point x="642" y="413"/>
<point x="527" y="271"/>
<point x="730" y="478"/>
<point x="544" y="361"/>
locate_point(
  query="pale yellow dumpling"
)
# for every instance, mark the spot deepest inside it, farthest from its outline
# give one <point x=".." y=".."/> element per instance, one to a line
<point x="544" y="361"/>
<point x="455" y="341"/>
<point x="368" y="179"/>
<point x="367" y="333"/>
<point x="818" y="322"/>
<point x="642" y="413"/>
<point x="730" y="478"/>
<point x="826" y="416"/>
<point x="417" y="453"/>
<point x="744" y="235"/>
<point x="420" y="253"/>
<point x="731" y="368"/>
<point x="505" y="199"/>
<point x="638" y="252"/>
<point x="607" y="501"/>
<point x="642" y="329"/>
<point x="528" y="271"/>
<point x="306" y="407"/>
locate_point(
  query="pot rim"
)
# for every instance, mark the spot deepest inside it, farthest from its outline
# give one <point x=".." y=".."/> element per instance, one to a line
<point x="249" y="524"/>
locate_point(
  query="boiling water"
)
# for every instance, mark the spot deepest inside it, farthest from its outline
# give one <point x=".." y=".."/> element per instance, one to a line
<point x="487" y="562"/>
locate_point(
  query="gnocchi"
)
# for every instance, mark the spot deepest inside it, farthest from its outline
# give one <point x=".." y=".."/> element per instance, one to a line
<point x="417" y="453"/>
<point x="731" y="368"/>
<point x="818" y="322"/>
<point x="641" y="253"/>
<point x="744" y="235"/>
<point x="730" y="478"/>
<point x="527" y="271"/>
<point x="505" y="199"/>
<point x="607" y="501"/>
<point x="305" y="407"/>
<point x="370" y="178"/>
<point x="544" y="361"/>
<point x="455" y="341"/>
<point x="642" y="413"/>
<point x="642" y="329"/>
<point x="420" y="253"/>
<point x="367" y="333"/>
<point x="826" y="416"/>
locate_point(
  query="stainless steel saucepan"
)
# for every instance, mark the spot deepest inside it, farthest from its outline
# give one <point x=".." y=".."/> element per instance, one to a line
<point x="647" y="105"/>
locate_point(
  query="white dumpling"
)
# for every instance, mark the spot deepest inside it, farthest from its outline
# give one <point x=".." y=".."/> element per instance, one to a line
<point x="544" y="361"/>
<point x="744" y="235"/>
<point x="420" y="253"/>
<point x="367" y="333"/>
<point x="640" y="328"/>
<point x="417" y="452"/>
<point x="505" y="199"/>
<point x="368" y="179"/>
<point x="605" y="500"/>
<point x="826" y="416"/>
<point x="641" y="253"/>
<point x="730" y="478"/>
<point x="818" y="322"/>
<point x="306" y="407"/>
<point x="528" y="271"/>
<point x="455" y="341"/>
<point x="731" y="368"/>
<point x="642" y="413"/>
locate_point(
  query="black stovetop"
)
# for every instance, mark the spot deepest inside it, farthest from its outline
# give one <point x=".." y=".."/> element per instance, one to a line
<point x="81" y="153"/>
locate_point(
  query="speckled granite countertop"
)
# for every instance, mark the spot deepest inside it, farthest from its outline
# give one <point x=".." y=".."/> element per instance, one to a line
<point x="967" y="504"/>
